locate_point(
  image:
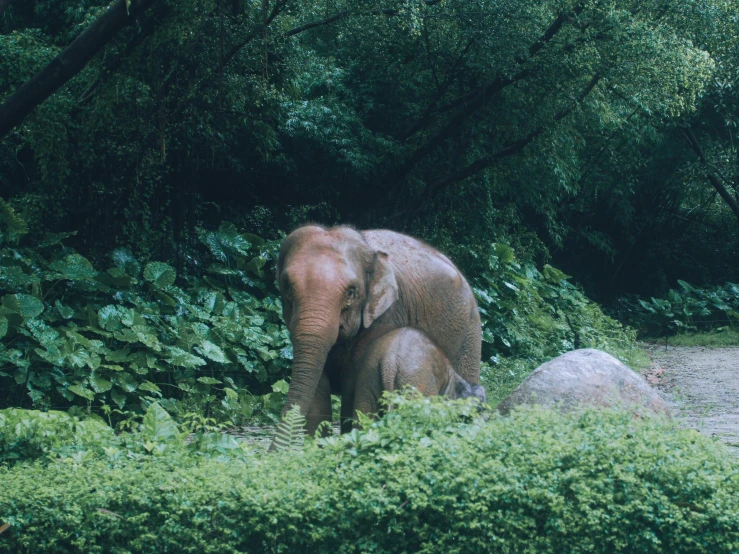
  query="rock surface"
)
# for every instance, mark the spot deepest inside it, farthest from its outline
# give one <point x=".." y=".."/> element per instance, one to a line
<point x="586" y="377"/>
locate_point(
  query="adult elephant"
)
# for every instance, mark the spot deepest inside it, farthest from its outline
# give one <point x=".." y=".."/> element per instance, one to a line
<point x="341" y="287"/>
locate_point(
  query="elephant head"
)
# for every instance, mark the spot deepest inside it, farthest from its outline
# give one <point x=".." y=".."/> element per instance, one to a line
<point x="332" y="285"/>
<point x="463" y="389"/>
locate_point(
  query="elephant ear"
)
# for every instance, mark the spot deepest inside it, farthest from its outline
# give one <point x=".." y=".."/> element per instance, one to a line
<point x="383" y="290"/>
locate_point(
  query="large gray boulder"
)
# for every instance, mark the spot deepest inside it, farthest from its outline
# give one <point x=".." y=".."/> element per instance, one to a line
<point x="586" y="377"/>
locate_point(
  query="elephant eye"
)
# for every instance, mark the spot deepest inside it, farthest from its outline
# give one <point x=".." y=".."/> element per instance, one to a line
<point x="287" y="296"/>
<point x="351" y="293"/>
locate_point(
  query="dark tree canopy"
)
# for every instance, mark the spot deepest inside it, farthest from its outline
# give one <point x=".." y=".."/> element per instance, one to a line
<point x="598" y="134"/>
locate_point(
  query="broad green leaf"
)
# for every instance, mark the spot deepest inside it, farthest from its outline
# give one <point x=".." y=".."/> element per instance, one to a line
<point x="158" y="424"/>
<point x="125" y="261"/>
<point x="118" y="356"/>
<point x="100" y="383"/>
<point x="118" y="278"/>
<point x="179" y="357"/>
<point x="74" y="267"/>
<point x="511" y="286"/>
<point x="118" y="397"/>
<point x="82" y="391"/>
<point x="25" y="305"/>
<point x="281" y="386"/>
<point x="115" y="318"/>
<point x="148" y="386"/>
<point x="65" y="311"/>
<point x="255" y="265"/>
<point x="208" y="381"/>
<point x="685" y="286"/>
<point x="212" y="352"/>
<point x="51" y="354"/>
<point x="254" y="239"/>
<point x="3" y="326"/>
<point x="161" y="275"/>
<point x="126" y="381"/>
<point x="231" y="394"/>
<point x="165" y="299"/>
<point x="13" y="277"/>
<point x="553" y="274"/>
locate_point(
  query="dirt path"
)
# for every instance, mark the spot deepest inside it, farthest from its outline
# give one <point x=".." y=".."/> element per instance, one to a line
<point x="702" y="385"/>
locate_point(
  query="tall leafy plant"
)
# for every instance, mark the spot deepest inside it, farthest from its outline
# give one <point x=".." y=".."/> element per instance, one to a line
<point x="134" y="333"/>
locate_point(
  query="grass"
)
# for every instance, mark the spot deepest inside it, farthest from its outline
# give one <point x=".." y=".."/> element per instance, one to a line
<point x="722" y="337"/>
<point x="637" y="359"/>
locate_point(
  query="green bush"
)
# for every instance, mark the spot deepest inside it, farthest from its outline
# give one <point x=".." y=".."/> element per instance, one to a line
<point x="432" y="476"/>
<point x="30" y="434"/>
<point x="687" y="309"/>
<point x="531" y="316"/>
<point x="213" y="343"/>
<point x="73" y="335"/>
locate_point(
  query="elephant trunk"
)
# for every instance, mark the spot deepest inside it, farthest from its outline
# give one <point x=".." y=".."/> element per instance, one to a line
<point x="313" y="334"/>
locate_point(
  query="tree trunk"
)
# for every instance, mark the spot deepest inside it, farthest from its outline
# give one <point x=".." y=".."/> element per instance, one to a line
<point x="69" y="62"/>
<point x="712" y="177"/>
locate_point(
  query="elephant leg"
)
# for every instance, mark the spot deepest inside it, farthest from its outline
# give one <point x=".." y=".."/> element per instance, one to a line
<point x="467" y="360"/>
<point x="368" y="389"/>
<point x="347" y="413"/>
<point x="320" y="409"/>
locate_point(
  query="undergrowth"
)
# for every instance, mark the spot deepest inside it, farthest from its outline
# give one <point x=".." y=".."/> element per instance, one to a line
<point x="115" y="340"/>
<point x="531" y="316"/>
<point x="432" y="476"/>
<point x="211" y="347"/>
<point x="685" y="311"/>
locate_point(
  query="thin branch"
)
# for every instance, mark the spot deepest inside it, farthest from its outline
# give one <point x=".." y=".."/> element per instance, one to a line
<point x="147" y="29"/>
<point x="510" y="149"/>
<point x="317" y="23"/>
<point x="712" y="178"/>
<point x="481" y="97"/>
<point x="428" y="113"/>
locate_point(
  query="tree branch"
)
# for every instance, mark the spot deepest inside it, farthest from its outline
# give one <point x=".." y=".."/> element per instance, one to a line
<point x="317" y="23"/>
<point x="481" y="97"/>
<point x="69" y="62"/>
<point x="428" y="112"/>
<point x="147" y="29"/>
<point x="509" y="150"/>
<point x="712" y="178"/>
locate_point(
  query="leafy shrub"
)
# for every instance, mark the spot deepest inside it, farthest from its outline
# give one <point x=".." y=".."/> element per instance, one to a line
<point x="29" y="434"/>
<point x="70" y="334"/>
<point x="531" y="316"/>
<point x="687" y="309"/>
<point x="432" y="476"/>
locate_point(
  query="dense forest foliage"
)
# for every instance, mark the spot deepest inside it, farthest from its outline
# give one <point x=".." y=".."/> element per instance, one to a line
<point x="595" y="135"/>
<point x="154" y="153"/>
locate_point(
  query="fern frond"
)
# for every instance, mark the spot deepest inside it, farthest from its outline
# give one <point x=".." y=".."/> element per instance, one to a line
<point x="16" y="225"/>
<point x="291" y="430"/>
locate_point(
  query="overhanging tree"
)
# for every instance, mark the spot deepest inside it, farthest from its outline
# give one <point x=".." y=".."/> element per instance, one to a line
<point x="69" y="62"/>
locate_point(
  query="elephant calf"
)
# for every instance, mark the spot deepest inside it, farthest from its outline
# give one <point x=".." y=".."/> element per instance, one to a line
<point x="401" y="357"/>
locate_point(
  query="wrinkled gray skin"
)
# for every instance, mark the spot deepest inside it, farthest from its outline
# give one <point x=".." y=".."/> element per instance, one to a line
<point x="340" y="287"/>
<point x="404" y="357"/>
<point x="586" y="377"/>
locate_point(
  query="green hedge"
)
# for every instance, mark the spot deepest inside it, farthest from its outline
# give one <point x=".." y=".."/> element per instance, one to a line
<point x="433" y="476"/>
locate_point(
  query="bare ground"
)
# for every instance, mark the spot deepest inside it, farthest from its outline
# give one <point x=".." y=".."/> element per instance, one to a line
<point x="702" y="386"/>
